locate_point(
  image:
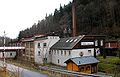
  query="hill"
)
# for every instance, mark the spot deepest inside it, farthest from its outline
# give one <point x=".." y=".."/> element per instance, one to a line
<point x="93" y="17"/>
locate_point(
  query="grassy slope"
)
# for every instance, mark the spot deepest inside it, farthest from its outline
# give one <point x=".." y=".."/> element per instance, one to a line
<point x="110" y="65"/>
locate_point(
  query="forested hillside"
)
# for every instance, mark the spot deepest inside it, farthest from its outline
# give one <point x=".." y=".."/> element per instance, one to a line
<point x="93" y="17"/>
<point x="98" y="17"/>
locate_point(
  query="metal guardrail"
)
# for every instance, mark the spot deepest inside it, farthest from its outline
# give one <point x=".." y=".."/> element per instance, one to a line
<point x="66" y="73"/>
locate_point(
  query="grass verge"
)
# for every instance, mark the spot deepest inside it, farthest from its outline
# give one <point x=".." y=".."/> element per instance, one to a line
<point x="110" y="65"/>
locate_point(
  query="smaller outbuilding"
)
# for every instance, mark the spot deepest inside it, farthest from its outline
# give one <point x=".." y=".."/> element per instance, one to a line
<point x="85" y="64"/>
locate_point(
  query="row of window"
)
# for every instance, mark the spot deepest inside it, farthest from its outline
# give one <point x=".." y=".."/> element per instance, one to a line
<point x="15" y="44"/>
<point x="53" y="37"/>
<point x="82" y="69"/>
<point x="57" y="52"/>
<point x="88" y="68"/>
<point x="10" y="54"/>
<point x="29" y="44"/>
<point x="60" y="52"/>
<point x="44" y="45"/>
<point x="101" y="43"/>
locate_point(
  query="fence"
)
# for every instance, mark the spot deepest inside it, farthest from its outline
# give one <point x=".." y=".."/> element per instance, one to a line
<point x="65" y="73"/>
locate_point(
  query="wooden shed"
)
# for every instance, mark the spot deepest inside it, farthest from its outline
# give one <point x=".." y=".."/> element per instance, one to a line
<point x="86" y="64"/>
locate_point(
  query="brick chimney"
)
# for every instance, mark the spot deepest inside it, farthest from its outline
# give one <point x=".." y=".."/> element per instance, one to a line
<point x="74" y="18"/>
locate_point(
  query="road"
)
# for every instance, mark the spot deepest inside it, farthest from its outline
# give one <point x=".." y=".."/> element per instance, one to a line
<point x="23" y="72"/>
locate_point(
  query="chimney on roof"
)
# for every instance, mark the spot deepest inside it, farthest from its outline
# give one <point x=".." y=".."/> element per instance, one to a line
<point x="74" y="18"/>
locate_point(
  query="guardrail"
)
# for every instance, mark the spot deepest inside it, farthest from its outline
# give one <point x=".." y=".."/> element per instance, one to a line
<point x="65" y="73"/>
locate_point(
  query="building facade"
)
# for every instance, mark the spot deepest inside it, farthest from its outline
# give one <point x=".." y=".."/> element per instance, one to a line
<point x="42" y="48"/>
<point x="28" y="54"/>
<point x="10" y="52"/>
<point x="37" y="48"/>
<point x="78" y="46"/>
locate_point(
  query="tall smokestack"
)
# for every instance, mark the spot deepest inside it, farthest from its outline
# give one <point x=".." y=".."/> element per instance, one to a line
<point x="74" y="18"/>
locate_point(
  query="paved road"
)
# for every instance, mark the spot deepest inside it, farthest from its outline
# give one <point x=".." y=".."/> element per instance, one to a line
<point x="24" y="72"/>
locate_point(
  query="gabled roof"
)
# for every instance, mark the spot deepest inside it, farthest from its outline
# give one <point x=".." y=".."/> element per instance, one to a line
<point x="67" y="43"/>
<point x="83" y="60"/>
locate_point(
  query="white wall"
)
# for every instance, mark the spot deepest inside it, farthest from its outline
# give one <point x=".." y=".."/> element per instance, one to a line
<point x="44" y="51"/>
<point x="61" y="57"/>
<point x="38" y="58"/>
<point x="74" y="53"/>
<point x="55" y="56"/>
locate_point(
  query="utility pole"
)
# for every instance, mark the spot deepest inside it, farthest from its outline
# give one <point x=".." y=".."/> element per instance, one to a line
<point x="4" y="61"/>
<point x="4" y="51"/>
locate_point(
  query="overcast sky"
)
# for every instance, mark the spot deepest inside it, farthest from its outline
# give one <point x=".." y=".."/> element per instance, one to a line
<point x="17" y="15"/>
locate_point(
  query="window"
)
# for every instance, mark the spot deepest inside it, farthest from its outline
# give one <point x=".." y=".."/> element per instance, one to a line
<point x="75" y="40"/>
<point x="101" y="42"/>
<point x="52" y="51"/>
<point x="45" y="60"/>
<point x="58" y="61"/>
<point x="38" y="53"/>
<point x="82" y="69"/>
<point x="27" y="44"/>
<point x="58" y="52"/>
<point x="49" y="52"/>
<point x="10" y="54"/>
<point x="96" y="43"/>
<point x="69" y="52"/>
<point x="61" y="52"/>
<point x="3" y="54"/>
<point x="89" y="51"/>
<point x="55" y="52"/>
<point x="38" y="45"/>
<point x="31" y="51"/>
<point x="65" y="52"/>
<point x="88" y="68"/>
<point x="44" y="44"/>
<point x="23" y="52"/>
<point x="31" y="44"/>
<point x="67" y="41"/>
<point x="71" y="40"/>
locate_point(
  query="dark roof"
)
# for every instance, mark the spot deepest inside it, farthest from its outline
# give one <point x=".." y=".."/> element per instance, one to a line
<point x="95" y="35"/>
<point x="83" y="60"/>
<point x="111" y="40"/>
<point x="41" y="38"/>
<point x="67" y="43"/>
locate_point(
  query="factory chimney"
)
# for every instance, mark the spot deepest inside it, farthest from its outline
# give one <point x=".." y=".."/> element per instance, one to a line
<point x="74" y="18"/>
